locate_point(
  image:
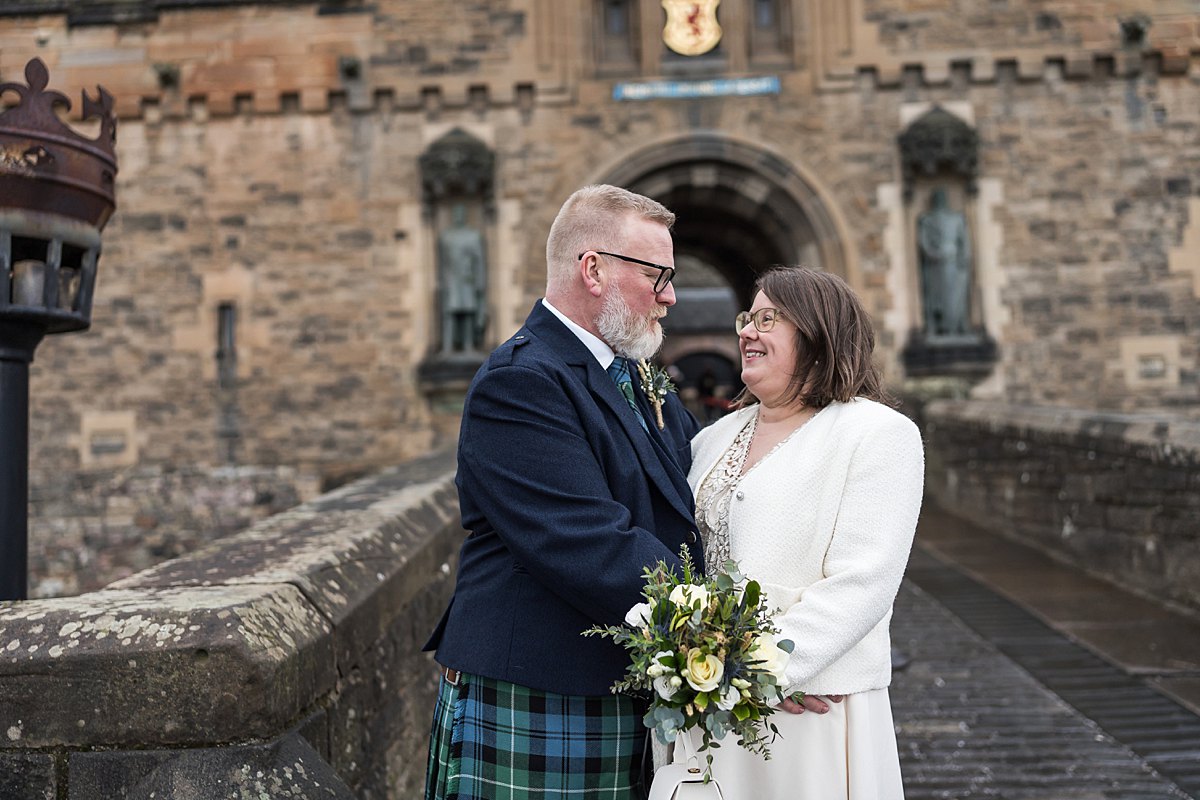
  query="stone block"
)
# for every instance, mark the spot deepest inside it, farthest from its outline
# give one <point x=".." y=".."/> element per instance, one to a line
<point x="27" y="776"/>
<point x="286" y="767"/>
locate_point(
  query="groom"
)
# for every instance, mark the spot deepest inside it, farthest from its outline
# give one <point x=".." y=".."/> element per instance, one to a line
<point x="569" y="488"/>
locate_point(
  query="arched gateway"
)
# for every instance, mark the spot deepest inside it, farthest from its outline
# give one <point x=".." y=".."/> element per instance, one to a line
<point x="740" y="209"/>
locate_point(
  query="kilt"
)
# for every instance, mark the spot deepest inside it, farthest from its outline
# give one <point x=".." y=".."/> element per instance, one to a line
<point x="494" y="740"/>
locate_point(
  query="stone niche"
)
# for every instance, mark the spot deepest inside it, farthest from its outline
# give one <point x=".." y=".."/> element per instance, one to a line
<point x="458" y="183"/>
<point x="939" y="156"/>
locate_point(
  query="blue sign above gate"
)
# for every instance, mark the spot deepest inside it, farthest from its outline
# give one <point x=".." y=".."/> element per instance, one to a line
<point x="682" y="90"/>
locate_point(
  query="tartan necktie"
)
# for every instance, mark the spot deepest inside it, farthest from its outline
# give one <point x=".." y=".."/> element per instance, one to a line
<point x="618" y="370"/>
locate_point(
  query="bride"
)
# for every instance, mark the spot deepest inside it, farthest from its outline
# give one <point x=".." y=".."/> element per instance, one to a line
<point x="814" y="486"/>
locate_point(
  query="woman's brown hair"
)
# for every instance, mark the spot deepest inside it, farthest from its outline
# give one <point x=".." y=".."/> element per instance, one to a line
<point x="834" y="338"/>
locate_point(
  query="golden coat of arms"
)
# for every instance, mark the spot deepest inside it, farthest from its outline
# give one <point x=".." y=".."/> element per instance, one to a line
<point x="692" y="27"/>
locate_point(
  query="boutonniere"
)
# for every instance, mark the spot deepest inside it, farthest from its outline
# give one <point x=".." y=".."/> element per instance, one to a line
<point x="656" y="384"/>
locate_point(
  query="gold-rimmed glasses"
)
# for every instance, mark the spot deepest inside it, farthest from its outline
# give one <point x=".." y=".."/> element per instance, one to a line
<point x="764" y="319"/>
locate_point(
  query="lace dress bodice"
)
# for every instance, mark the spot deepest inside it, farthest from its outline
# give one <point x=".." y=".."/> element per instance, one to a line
<point x="715" y="495"/>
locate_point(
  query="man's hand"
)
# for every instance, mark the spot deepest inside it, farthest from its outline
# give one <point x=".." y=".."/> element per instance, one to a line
<point x="812" y="703"/>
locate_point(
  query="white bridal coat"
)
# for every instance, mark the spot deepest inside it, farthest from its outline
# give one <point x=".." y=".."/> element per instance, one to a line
<point x="825" y="523"/>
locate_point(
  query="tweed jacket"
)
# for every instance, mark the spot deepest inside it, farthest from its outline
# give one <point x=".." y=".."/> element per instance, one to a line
<point x="825" y="523"/>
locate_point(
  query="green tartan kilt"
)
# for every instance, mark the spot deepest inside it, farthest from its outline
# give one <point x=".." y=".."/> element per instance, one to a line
<point x="494" y="740"/>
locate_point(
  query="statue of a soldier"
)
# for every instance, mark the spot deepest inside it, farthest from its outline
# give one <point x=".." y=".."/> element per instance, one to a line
<point x="463" y="270"/>
<point x="945" y="252"/>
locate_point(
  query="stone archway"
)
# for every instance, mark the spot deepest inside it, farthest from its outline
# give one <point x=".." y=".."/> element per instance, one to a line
<point x="740" y="208"/>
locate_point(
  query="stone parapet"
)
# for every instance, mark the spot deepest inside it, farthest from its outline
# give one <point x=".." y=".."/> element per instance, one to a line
<point x="1117" y="495"/>
<point x="296" y="642"/>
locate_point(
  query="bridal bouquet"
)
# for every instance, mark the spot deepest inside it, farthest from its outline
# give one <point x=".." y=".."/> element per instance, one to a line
<point x="706" y="650"/>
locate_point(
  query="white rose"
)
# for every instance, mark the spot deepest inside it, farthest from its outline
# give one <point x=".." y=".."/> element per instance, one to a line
<point x="729" y="698"/>
<point x="685" y="594"/>
<point x="768" y="656"/>
<point x="703" y="672"/>
<point x="639" y="615"/>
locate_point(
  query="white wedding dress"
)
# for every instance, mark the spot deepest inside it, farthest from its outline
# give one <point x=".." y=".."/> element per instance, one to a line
<point x="849" y="753"/>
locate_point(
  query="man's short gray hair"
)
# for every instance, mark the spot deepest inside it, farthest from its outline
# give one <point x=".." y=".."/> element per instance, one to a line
<point x="591" y="220"/>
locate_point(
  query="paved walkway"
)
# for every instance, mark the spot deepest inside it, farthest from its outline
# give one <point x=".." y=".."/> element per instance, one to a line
<point x="1021" y="684"/>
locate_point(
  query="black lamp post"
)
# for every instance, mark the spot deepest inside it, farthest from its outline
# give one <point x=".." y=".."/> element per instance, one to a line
<point x="56" y="194"/>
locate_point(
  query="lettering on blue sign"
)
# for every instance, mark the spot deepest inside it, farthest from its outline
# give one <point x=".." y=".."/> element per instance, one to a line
<point x="678" y="90"/>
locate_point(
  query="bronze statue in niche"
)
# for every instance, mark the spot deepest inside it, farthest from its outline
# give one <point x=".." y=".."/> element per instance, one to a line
<point x="463" y="270"/>
<point x="944" y="247"/>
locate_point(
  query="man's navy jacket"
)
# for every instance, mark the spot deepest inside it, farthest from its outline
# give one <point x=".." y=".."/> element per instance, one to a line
<point x="566" y="499"/>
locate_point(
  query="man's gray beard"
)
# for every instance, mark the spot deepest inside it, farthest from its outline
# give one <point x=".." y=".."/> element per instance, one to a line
<point x="625" y="332"/>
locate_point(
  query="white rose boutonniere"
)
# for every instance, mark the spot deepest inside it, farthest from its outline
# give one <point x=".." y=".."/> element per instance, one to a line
<point x="657" y="385"/>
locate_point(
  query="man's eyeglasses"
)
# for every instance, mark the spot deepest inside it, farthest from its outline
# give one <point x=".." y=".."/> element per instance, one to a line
<point x="764" y="319"/>
<point x="665" y="274"/>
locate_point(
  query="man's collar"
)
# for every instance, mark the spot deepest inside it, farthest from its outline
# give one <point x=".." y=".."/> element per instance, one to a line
<point x="598" y="348"/>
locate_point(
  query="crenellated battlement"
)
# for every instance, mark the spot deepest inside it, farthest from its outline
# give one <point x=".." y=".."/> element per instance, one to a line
<point x="200" y="60"/>
<point x="1029" y="68"/>
<point x="483" y="96"/>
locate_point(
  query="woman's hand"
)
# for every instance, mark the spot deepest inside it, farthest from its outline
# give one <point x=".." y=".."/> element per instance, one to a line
<point x="812" y="703"/>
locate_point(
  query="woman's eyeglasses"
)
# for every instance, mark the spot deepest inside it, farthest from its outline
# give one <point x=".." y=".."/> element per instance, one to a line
<point x="764" y="319"/>
<point x="665" y="274"/>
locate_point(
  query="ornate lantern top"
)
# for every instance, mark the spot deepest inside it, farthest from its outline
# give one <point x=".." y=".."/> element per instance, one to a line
<point x="45" y="166"/>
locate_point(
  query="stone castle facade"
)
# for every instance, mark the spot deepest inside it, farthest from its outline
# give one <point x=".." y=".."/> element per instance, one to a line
<point x="269" y="291"/>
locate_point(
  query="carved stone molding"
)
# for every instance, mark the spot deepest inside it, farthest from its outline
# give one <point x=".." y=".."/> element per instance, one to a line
<point x="972" y="356"/>
<point x="458" y="165"/>
<point x="936" y="141"/>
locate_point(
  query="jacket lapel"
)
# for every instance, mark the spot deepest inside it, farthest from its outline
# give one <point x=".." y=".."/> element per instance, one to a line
<point x="658" y="464"/>
<point x="656" y="459"/>
<point x="662" y="445"/>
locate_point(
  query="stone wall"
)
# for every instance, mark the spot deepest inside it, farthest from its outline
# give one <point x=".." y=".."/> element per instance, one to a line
<point x="92" y="527"/>
<point x="1117" y="495"/>
<point x="269" y="163"/>
<point x="269" y="167"/>
<point x="281" y="662"/>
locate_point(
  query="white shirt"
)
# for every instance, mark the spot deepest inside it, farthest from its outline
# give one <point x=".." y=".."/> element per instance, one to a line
<point x="603" y="353"/>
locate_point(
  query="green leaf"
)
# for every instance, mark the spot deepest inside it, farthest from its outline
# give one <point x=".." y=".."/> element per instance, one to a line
<point x="753" y="594"/>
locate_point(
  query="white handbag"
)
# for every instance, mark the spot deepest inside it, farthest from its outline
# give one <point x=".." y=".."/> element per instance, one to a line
<point x="684" y="778"/>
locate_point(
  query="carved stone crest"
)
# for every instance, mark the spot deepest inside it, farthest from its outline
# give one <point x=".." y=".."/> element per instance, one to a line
<point x="692" y="27"/>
